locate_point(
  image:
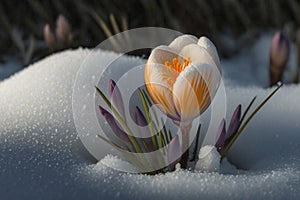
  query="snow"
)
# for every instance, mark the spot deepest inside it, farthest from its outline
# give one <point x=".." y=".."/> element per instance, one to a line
<point x="209" y="159"/>
<point x="41" y="156"/>
<point x="116" y="163"/>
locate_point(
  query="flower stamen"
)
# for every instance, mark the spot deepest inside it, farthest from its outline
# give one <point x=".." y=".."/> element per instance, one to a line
<point x="173" y="69"/>
<point x="177" y="65"/>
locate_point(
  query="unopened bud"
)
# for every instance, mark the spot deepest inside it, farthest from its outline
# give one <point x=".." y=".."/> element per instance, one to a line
<point x="279" y="55"/>
<point x="49" y="37"/>
<point x="63" y="31"/>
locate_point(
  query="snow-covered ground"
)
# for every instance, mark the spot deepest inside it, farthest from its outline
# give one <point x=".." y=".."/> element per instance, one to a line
<point x="41" y="156"/>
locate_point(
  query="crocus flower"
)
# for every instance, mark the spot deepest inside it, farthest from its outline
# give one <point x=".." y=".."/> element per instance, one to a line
<point x="182" y="78"/>
<point x="279" y="55"/>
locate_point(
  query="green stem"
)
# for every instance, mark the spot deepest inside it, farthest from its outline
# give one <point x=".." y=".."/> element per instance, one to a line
<point x="185" y="131"/>
<point x="148" y="118"/>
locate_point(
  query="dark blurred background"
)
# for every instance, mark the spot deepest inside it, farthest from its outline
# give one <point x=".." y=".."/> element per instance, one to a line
<point x="229" y="23"/>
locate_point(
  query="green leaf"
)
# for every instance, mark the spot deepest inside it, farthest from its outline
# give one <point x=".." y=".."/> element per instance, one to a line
<point x="246" y="111"/>
<point x="148" y="118"/>
<point x="195" y="153"/>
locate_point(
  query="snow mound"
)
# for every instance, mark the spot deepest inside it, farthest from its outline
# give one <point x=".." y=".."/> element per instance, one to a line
<point x="209" y="159"/>
<point x="41" y="156"/>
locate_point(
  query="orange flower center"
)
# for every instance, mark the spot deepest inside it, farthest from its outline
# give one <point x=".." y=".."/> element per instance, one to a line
<point x="172" y="69"/>
<point x="177" y="65"/>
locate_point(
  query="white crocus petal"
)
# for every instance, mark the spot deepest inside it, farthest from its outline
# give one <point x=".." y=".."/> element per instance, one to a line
<point x="211" y="49"/>
<point x="197" y="54"/>
<point x="212" y="76"/>
<point x="182" y="41"/>
<point x="192" y="91"/>
<point x="160" y="89"/>
<point x="161" y="54"/>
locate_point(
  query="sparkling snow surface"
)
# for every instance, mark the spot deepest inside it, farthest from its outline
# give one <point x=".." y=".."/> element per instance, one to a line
<point x="41" y="156"/>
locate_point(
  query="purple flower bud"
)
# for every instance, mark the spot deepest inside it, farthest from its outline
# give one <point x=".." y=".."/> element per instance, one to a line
<point x="116" y="98"/>
<point x="174" y="152"/>
<point x="144" y="131"/>
<point x="139" y="117"/>
<point x="49" y="37"/>
<point x="220" y="144"/>
<point x="121" y="135"/>
<point x="279" y="55"/>
<point x="279" y="49"/>
<point x="234" y="123"/>
<point x="63" y="31"/>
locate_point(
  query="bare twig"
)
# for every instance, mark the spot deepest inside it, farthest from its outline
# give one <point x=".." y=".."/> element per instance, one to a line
<point x="114" y="23"/>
